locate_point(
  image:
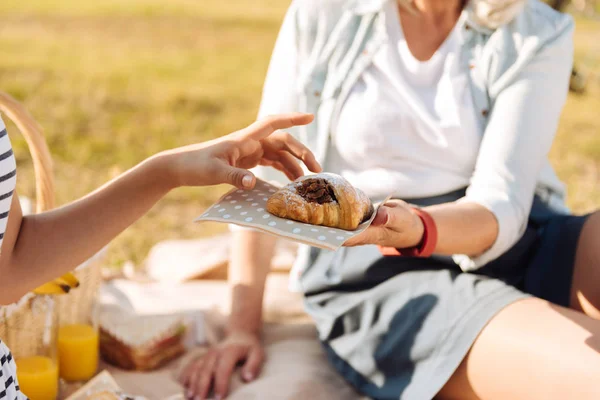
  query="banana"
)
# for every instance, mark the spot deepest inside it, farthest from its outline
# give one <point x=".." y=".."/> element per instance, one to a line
<point x="52" y="288"/>
<point x="69" y="279"/>
<point x="60" y="285"/>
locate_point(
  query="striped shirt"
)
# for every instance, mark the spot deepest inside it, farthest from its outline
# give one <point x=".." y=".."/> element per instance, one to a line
<point x="8" y="177"/>
<point x="9" y="387"/>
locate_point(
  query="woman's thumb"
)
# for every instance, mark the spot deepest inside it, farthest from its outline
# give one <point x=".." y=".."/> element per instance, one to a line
<point x="382" y="216"/>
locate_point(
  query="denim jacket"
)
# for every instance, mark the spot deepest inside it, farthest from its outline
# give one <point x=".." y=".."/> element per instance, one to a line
<point x="518" y="78"/>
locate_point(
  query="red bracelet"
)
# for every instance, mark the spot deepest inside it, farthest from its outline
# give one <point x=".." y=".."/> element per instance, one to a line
<point x="427" y="245"/>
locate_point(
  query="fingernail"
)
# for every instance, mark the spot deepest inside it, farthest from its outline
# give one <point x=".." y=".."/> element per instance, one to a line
<point x="387" y="218"/>
<point x="189" y="394"/>
<point x="247" y="181"/>
<point x="197" y="398"/>
<point x="217" y="397"/>
<point x="248" y="376"/>
<point x="382" y="217"/>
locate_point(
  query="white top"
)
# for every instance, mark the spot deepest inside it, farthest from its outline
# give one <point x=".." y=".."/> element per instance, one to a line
<point x="499" y="83"/>
<point x="399" y="131"/>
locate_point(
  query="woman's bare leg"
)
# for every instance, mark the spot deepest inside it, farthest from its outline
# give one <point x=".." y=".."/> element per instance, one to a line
<point x="531" y="350"/>
<point x="585" y="289"/>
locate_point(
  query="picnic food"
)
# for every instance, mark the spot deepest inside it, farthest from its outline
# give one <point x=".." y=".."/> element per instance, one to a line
<point x="109" y="395"/>
<point x="102" y="387"/>
<point x="112" y="395"/>
<point x="141" y="342"/>
<point x="60" y="285"/>
<point x="322" y="199"/>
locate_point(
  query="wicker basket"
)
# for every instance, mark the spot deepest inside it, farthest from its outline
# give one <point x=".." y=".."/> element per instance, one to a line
<point x="78" y="303"/>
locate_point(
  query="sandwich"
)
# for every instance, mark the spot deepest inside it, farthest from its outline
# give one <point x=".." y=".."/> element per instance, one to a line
<point x="112" y="395"/>
<point x="141" y="343"/>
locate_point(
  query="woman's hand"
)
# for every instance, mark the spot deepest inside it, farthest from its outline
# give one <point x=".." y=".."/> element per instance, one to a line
<point x="226" y="159"/>
<point x="395" y="225"/>
<point x="214" y="369"/>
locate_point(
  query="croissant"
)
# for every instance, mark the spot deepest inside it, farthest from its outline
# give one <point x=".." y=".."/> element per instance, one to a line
<point x="322" y="199"/>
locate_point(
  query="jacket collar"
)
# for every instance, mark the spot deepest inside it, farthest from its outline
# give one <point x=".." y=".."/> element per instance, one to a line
<point x="364" y="7"/>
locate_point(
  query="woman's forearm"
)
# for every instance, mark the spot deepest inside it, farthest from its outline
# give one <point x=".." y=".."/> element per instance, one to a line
<point x="463" y="228"/>
<point x="250" y="263"/>
<point x="56" y="241"/>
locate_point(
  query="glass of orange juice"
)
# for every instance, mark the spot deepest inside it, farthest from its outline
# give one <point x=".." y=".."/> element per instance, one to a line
<point x="32" y="341"/>
<point x="78" y="345"/>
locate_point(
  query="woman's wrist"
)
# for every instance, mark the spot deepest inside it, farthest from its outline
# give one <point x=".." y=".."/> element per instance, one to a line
<point x="250" y="322"/>
<point x="233" y="329"/>
<point x="416" y="232"/>
<point x="422" y="240"/>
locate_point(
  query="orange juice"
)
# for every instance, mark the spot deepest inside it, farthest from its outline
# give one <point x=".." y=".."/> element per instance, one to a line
<point x="77" y="352"/>
<point x="38" y="377"/>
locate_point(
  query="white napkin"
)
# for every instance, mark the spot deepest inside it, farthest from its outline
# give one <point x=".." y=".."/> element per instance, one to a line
<point x="147" y="299"/>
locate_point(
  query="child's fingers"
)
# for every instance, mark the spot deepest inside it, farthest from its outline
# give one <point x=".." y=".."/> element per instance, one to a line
<point x="266" y="126"/>
<point x="287" y="142"/>
<point x="278" y="166"/>
<point x="289" y="163"/>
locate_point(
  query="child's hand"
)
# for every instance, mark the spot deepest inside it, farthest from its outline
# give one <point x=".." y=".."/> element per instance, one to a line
<point x="119" y="203"/>
<point x="226" y="160"/>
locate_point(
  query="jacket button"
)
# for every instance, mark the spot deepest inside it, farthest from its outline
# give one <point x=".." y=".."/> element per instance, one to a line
<point x="484" y="112"/>
<point x="471" y="66"/>
<point x="467" y="27"/>
<point x="365" y="52"/>
<point x="317" y="93"/>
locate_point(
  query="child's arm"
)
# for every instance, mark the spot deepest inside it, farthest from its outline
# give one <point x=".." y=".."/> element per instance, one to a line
<point x="38" y="248"/>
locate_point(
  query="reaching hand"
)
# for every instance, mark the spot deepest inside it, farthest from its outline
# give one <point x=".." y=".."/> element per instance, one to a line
<point x="226" y="159"/>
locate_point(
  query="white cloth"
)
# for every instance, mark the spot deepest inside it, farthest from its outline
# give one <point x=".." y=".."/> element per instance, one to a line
<point x="517" y="78"/>
<point x="400" y="131"/>
<point x="296" y="369"/>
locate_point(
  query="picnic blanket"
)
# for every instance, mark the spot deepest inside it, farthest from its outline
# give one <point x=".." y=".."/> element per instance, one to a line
<point x="207" y="258"/>
<point x="296" y="366"/>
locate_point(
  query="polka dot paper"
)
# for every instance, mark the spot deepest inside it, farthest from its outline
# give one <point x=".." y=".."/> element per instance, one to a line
<point x="248" y="208"/>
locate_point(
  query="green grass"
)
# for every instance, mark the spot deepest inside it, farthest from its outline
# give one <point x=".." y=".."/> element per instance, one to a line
<point x="114" y="81"/>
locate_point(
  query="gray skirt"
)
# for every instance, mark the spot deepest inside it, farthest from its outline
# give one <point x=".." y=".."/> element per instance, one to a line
<point x="398" y="327"/>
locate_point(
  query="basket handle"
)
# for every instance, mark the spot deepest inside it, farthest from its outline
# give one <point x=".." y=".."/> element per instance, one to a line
<point x="42" y="161"/>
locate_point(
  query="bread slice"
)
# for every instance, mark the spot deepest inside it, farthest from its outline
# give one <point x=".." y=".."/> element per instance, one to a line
<point x="102" y="387"/>
<point x="105" y="395"/>
<point x="112" y="395"/>
<point x="141" y="342"/>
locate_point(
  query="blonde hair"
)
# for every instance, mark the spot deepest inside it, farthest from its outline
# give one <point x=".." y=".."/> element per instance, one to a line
<point x="488" y="13"/>
<point x="494" y="13"/>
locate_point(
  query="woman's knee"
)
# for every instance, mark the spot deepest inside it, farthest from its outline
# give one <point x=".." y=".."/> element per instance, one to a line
<point x="531" y="350"/>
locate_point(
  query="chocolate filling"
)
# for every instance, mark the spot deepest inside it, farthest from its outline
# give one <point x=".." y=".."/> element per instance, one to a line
<point x="316" y="190"/>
